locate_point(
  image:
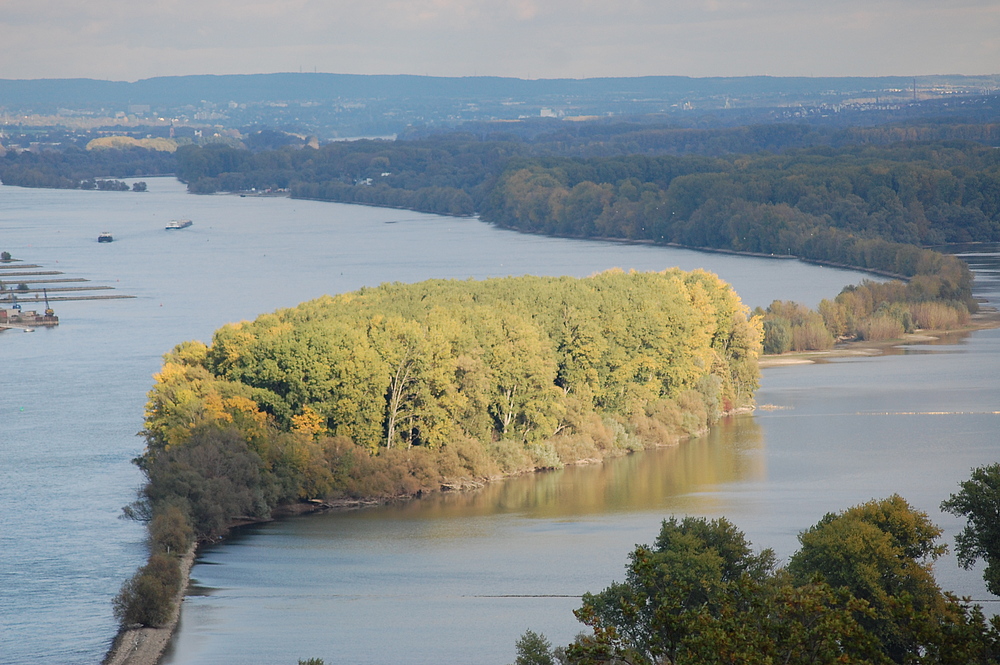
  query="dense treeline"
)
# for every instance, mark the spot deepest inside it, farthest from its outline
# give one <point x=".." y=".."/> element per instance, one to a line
<point x="446" y="176"/>
<point x="909" y="193"/>
<point x="821" y="203"/>
<point x="614" y="137"/>
<point x="74" y="168"/>
<point x="860" y="590"/>
<point x="863" y="206"/>
<point x="868" y="207"/>
<point x="399" y="389"/>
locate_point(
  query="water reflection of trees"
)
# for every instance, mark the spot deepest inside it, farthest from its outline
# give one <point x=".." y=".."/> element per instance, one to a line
<point x="694" y="471"/>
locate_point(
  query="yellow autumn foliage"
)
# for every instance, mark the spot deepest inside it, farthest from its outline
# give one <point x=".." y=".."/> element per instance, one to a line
<point x="121" y="142"/>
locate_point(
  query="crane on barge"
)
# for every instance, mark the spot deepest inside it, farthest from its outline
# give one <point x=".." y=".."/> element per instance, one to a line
<point x="48" y="310"/>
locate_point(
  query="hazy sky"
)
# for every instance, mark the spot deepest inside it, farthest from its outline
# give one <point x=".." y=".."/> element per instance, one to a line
<point x="130" y="40"/>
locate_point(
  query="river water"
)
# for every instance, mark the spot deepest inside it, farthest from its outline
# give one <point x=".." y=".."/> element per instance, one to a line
<point x="451" y="578"/>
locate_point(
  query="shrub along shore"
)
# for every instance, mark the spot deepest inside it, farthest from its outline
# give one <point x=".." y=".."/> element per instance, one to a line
<point x="982" y="320"/>
<point x="144" y="645"/>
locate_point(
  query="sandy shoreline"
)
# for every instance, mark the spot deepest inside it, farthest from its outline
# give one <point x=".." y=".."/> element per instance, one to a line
<point x="145" y="646"/>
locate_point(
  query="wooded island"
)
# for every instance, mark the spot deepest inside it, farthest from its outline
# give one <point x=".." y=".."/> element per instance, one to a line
<point x="391" y="391"/>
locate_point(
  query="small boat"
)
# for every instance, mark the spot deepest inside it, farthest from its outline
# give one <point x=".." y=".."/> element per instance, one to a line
<point x="29" y="330"/>
<point x="179" y="224"/>
<point x="105" y="237"/>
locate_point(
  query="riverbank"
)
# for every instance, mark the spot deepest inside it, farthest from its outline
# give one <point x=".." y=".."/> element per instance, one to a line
<point x="709" y="250"/>
<point x="986" y="318"/>
<point x="145" y="646"/>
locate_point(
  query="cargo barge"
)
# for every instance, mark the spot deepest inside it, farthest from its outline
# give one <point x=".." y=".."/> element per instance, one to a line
<point x="15" y="318"/>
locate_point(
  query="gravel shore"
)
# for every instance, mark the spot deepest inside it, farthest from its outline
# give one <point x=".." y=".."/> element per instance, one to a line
<point x="144" y="646"/>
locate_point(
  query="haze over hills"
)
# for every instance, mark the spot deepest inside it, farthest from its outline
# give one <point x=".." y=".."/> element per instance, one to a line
<point x="333" y="105"/>
<point x="50" y="94"/>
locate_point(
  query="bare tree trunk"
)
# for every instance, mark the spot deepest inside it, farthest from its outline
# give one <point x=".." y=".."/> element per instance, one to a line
<point x="396" y="387"/>
<point x="508" y="416"/>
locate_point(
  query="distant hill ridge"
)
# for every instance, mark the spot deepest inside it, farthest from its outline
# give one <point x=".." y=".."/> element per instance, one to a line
<point x="181" y="90"/>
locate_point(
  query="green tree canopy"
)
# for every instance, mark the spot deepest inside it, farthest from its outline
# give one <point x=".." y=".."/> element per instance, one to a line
<point x="403" y="388"/>
<point x="979" y="502"/>
<point x="860" y="590"/>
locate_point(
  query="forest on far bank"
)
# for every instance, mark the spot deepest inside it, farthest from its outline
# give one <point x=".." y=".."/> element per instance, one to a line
<point x="877" y="208"/>
<point x="876" y="198"/>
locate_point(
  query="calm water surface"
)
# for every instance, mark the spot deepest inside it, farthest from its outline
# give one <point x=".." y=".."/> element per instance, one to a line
<point x="459" y="578"/>
<point x="447" y="579"/>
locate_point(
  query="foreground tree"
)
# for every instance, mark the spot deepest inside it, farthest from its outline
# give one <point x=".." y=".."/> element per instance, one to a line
<point x="700" y="595"/>
<point x="534" y="649"/>
<point x="147" y="598"/>
<point x="859" y="591"/>
<point x="979" y="503"/>
<point x="882" y="552"/>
